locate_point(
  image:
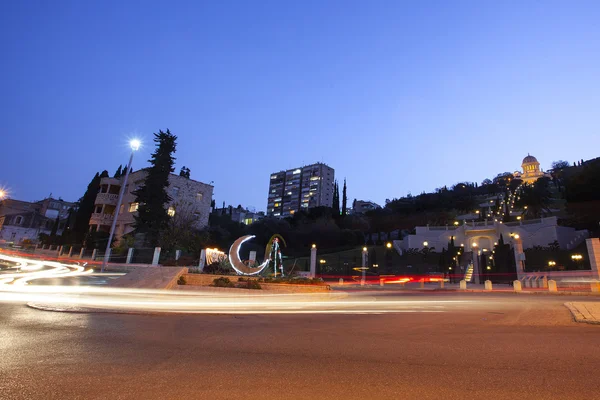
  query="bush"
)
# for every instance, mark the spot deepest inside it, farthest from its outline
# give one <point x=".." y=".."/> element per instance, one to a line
<point x="252" y="284"/>
<point x="222" y="282"/>
<point x="181" y="280"/>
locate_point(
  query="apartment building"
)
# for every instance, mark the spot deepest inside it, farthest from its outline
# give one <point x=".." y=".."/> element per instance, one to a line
<point x="188" y="196"/>
<point x="23" y="220"/>
<point x="300" y="188"/>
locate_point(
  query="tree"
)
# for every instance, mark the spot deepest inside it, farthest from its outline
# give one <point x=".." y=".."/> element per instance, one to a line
<point x="85" y="210"/>
<point x="560" y="164"/>
<point x="185" y="172"/>
<point x="536" y="197"/>
<point x="119" y="172"/>
<point x="336" y="200"/>
<point x="55" y="227"/>
<point x="344" y="200"/>
<point x="152" y="196"/>
<point x="180" y="232"/>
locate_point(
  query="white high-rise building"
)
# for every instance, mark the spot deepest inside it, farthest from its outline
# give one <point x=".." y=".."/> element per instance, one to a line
<point x="300" y="189"/>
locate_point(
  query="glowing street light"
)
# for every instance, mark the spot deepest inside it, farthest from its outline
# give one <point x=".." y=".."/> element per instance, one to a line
<point x="425" y="244"/>
<point x="2" y="194"/>
<point x="135" y="145"/>
<point x="388" y="245"/>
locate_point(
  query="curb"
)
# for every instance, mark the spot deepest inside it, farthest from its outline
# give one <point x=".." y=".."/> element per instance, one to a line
<point x="578" y="316"/>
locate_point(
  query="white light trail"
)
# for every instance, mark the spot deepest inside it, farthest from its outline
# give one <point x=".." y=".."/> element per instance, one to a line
<point x="17" y="288"/>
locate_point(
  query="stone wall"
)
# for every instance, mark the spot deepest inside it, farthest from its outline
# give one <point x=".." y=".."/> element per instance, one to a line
<point x="207" y="280"/>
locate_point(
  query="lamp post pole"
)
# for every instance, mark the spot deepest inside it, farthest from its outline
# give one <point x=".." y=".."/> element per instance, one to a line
<point x="135" y="145"/>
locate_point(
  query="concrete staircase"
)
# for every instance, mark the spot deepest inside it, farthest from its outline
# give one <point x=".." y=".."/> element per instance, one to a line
<point x="469" y="272"/>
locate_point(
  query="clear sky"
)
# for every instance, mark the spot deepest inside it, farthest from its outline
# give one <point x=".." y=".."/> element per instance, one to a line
<point x="397" y="96"/>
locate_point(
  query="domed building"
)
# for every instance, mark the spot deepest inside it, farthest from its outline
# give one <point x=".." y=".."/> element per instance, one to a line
<point x="531" y="170"/>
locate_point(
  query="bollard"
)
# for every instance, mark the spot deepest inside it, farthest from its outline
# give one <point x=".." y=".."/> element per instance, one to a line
<point x="544" y="282"/>
<point x="487" y="285"/>
<point x="202" y="260"/>
<point x="517" y="286"/>
<point x="441" y="283"/>
<point x="462" y="285"/>
<point x="595" y="286"/>
<point x="341" y="281"/>
<point x="129" y="255"/>
<point x="156" y="256"/>
<point x="94" y="254"/>
<point x="422" y="283"/>
<point x="552" y="286"/>
<point x="70" y="251"/>
<point x="362" y="282"/>
<point x="81" y="252"/>
<point x="177" y="254"/>
<point x="380" y="281"/>
<point x="60" y="249"/>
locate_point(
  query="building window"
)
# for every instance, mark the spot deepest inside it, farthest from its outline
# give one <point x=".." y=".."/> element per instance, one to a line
<point x="13" y="235"/>
<point x="133" y="207"/>
<point x="171" y="211"/>
<point x="199" y="196"/>
<point x="175" y="191"/>
<point x="18" y="220"/>
<point x="98" y="209"/>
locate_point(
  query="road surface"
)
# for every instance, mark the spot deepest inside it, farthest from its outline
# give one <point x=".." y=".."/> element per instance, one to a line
<point x="475" y="346"/>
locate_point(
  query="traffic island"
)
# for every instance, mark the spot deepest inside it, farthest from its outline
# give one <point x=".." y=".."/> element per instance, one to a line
<point x="587" y="312"/>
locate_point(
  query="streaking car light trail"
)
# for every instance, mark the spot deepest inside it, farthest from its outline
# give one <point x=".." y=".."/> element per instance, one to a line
<point x="17" y="287"/>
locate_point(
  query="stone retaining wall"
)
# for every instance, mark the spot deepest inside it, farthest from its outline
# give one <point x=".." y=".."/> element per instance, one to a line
<point x="207" y="280"/>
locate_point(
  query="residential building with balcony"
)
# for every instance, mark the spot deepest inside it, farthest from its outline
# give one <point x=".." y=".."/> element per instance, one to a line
<point x="187" y="196"/>
<point x="300" y="188"/>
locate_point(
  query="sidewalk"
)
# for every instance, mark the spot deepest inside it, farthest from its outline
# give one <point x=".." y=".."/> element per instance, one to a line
<point x="587" y="312"/>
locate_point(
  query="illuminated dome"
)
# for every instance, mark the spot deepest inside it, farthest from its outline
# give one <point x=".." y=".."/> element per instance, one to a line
<point x="529" y="159"/>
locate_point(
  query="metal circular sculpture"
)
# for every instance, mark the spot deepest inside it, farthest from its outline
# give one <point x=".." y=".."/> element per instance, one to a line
<point x="237" y="264"/>
<point x="272" y="253"/>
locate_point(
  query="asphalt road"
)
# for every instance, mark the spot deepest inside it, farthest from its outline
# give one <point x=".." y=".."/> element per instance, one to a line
<point x="491" y="346"/>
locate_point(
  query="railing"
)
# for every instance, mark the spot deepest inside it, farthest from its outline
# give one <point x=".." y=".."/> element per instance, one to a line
<point x="106" y="198"/>
<point x="101" y="219"/>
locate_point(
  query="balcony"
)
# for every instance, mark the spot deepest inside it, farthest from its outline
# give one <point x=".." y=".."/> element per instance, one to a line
<point x="107" y="198"/>
<point x="101" y="219"/>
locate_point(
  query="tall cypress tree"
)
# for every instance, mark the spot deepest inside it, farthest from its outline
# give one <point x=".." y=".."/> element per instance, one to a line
<point x="344" y="200"/>
<point x="336" y="200"/>
<point x="119" y="172"/>
<point x="85" y="210"/>
<point x="152" y="195"/>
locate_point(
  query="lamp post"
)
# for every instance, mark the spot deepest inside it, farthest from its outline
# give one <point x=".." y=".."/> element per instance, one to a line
<point x="135" y="145"/>
<point x="365" y="263"/>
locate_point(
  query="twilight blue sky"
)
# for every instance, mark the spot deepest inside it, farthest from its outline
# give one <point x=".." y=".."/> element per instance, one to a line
<point x="397" y="96"/>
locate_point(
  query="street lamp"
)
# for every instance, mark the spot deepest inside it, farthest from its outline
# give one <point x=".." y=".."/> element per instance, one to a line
<point x="425" y="244"/>
<point x="388" y="245"/>
<point x="134" y="144"/>
<point x="365" y="265"/>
